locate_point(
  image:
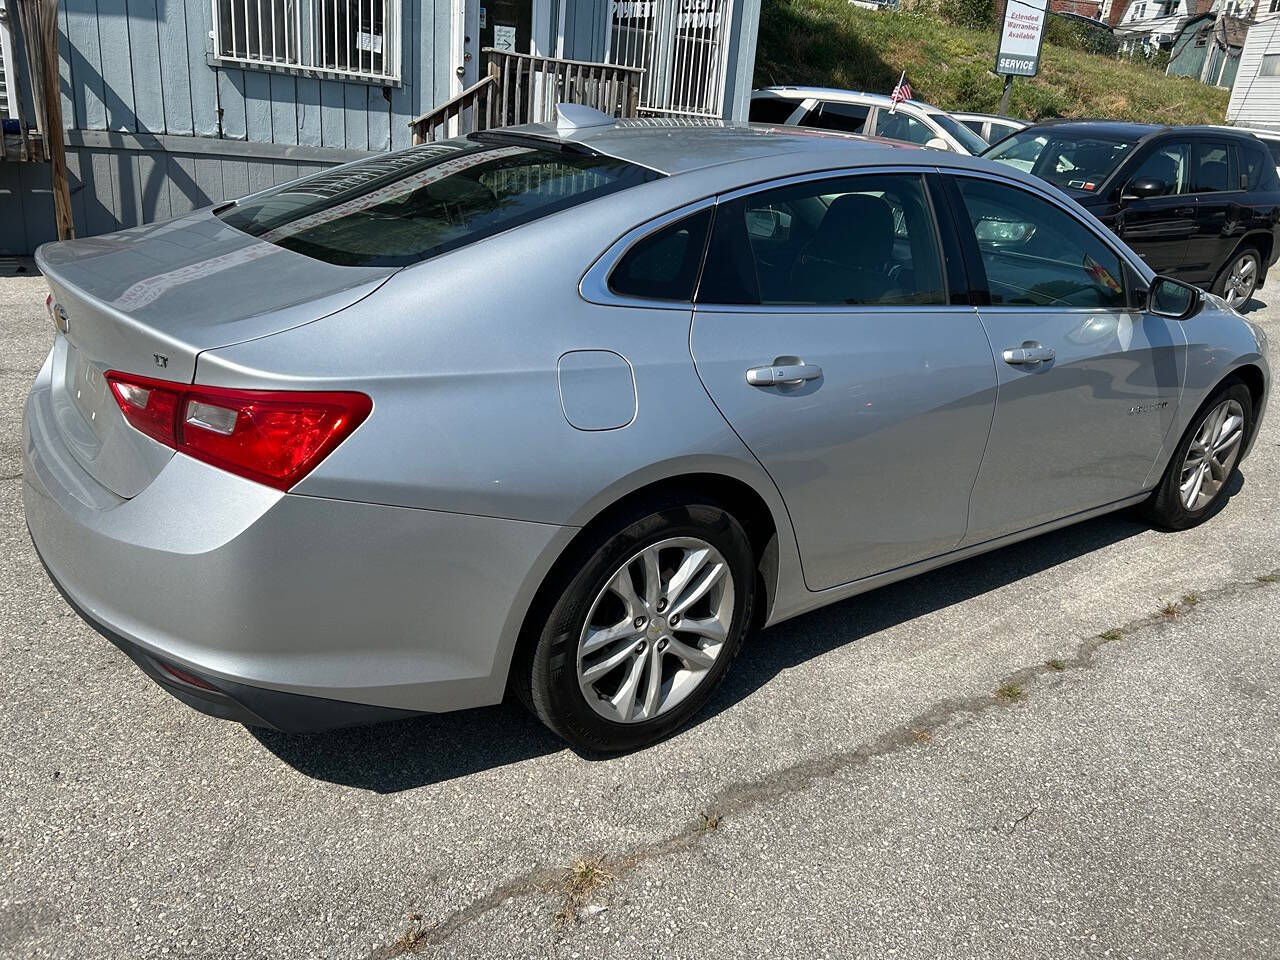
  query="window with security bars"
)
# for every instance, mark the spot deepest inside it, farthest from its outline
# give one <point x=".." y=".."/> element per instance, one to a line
<point x="351" y="39"/>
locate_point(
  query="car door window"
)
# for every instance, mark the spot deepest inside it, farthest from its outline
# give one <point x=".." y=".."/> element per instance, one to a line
<point x="845" y="117"/>
<point x="1210" y="167"/>
<point x="849" y="241"/>
<point x="974" y="125"/>
<point x="899" y="126"/>
<point x="664" y="265"/>
<point x="1036" y="254"/>
<point x="1170" y="164"/>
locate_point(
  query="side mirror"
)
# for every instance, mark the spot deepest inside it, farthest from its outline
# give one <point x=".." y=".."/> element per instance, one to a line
<point x="1146" y="187"/>
<point x="1173" y="299"/>
<point x="937" y="143"/>
<point x="764" y="223"/>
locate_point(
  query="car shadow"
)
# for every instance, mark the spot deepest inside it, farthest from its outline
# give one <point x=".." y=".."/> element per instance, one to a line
<point x="436" y="748"/>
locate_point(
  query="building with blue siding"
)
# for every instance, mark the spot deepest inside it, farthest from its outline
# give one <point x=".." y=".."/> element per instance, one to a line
<point x="169" y="105"/>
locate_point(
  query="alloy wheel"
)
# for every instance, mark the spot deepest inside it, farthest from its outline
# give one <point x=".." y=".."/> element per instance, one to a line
<point x="1241" y="280"/>
<point x="655" y="630"/>
<point x="1212" y="455"/>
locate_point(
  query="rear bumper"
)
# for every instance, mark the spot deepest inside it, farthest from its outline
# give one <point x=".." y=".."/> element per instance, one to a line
<point x="301" y="612"/>
<point x="242" y="703"/>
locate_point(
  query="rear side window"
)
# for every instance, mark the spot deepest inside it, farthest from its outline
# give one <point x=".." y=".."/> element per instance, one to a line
<point x="1257" y="168"/>
<point x="845" y="117"/>
<point x="770" y="110"/>
<point x="1035" y="254"/>
<point x="1274" y="147"/>
<point x="664" y="265"/>
<point x="848" y="241"/>
<point x="409" y="206"/>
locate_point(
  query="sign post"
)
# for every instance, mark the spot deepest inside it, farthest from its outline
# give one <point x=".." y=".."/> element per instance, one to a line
<point x="1021" y="37"/>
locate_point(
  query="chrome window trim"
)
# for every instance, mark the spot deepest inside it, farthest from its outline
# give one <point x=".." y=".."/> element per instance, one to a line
<point x="594" y="285"/>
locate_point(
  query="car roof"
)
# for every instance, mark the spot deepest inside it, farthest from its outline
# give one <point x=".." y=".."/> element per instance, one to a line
<point x="1001" y="118"/>
<point x="1131" y="130"/>
<point x="674" y="146"/>
<point x="834" y="93"/>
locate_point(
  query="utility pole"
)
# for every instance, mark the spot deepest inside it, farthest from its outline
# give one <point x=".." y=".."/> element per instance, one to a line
<point x="47" y="25"/>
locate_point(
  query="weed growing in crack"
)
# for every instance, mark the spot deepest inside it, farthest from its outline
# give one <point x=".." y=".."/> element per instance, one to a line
<point x="1010" y="693"/>
<point x="1170" y="610"/>
<point x="1112" y="635"/>
<point x="414" y="936"/>
<point x="1056" y="664"/>
<point x="708" y="821"/>
<point x="1269" y="578"/>
<point x="579" y="885"/>
<point x="1190" y="599"/>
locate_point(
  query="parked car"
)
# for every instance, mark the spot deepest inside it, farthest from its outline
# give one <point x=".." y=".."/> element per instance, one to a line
<point x="358" y="446"/>
<point x="1198" y="203"/>
<point x="991" y="127"/>
<point x="849" y="111"/>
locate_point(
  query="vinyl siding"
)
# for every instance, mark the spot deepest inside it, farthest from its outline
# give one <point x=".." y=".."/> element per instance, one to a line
<point x="1255" y="100"/>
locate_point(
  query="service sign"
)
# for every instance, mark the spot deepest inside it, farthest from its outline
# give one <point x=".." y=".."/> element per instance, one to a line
<point x="1020" y="38"/>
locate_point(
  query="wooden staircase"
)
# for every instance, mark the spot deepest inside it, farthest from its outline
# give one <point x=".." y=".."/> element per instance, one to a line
<point x="525" y="88"/>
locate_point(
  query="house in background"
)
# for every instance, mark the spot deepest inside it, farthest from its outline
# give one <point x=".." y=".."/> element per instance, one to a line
<point x="1208" y="49"/>
<point x="1145" y="26"/>
<point x="1255" y="98"/>
<point x="169" y="105"/>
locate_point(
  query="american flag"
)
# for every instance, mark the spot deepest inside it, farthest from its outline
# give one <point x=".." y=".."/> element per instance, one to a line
<point x="901" y="92"/>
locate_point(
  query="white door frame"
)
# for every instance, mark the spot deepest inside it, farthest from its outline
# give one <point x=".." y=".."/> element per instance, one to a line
<point x="459" y="80"/>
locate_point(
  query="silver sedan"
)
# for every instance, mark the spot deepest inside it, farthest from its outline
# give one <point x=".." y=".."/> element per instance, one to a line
<point x="569" y="410"/>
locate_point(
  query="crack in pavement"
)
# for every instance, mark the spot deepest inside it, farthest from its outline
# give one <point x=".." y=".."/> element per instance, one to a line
<point x="743" y="797"/>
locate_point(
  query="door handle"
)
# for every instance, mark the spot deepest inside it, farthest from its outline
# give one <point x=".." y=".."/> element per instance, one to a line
<point x="1030" y="353"/>
<point x="1184" y="211"/>
<point x="778" y="374"/>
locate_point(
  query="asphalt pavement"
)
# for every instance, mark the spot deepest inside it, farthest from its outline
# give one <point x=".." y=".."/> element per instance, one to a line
<point x="1063" y="748"/>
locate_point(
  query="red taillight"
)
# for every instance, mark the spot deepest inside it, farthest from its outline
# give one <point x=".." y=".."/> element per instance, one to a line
<point x="275" y="437"/>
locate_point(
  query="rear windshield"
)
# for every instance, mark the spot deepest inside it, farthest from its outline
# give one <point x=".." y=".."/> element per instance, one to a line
<point x="404" y="207"/>
<point x="1076" y="160"/>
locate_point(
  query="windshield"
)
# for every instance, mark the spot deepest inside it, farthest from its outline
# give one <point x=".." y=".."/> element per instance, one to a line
<point x="1077" y="161"/>
<point x="966" y="137"/>
<point x="404" y="207"/>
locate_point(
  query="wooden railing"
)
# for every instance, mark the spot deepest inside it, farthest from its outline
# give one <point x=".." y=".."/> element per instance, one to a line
<point x="525" y="88"/>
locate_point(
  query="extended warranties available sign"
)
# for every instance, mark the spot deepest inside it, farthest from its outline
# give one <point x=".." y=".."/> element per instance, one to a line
<point x="1020" y="38"/>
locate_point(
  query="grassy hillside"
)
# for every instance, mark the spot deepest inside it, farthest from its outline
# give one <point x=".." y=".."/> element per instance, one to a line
<point x="831" y="43"/>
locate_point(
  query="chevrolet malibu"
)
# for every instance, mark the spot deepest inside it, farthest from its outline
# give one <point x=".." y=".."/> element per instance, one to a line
<point x="568" y="410"/>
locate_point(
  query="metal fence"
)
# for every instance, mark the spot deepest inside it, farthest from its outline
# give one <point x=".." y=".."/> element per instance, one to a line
<point x="682" y="45"/>
<point x="341" y="38"/>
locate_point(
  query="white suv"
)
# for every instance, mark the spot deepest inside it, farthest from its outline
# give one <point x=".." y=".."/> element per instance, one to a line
<point x="850" y="111"/>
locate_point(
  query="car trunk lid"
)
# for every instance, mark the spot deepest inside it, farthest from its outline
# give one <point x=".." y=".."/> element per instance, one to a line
<point x="148" y="301"/>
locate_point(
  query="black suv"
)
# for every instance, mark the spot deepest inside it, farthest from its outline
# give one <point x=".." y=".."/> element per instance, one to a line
<point x="1197" y="203"/>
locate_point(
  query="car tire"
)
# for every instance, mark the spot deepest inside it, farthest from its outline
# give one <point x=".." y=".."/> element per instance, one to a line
<point x="560" y="677"/>
<point x="1183" y="501"/>
<point x="1239" y="277"/>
